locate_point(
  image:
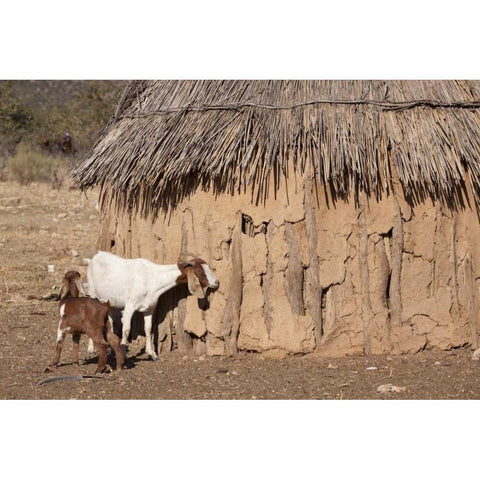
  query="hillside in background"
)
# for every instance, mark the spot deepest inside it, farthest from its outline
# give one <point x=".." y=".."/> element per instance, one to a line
<point x="50" y="124"/>
<point x="45" y="94"/>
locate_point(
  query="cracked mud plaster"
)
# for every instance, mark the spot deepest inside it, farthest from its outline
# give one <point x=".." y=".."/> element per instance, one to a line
<point x="296" y="277"/>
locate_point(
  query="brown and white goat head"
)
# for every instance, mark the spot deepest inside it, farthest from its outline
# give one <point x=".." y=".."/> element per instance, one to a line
<point x="199" y="277"/>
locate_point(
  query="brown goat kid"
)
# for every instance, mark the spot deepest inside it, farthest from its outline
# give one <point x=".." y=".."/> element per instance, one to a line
<point x="83" y="315"/>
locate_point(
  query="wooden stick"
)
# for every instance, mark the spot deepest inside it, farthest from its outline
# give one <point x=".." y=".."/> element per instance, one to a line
<point x="470" y="284"/>
<point x="314" y="292"/>
<point x="294" y="272"/>
<point x="397" y="106"/>
<point x="363" y="259"/>
<point x="235" y="293"/>
<point x="184" y="340"/>
<point x="395" y="281"/>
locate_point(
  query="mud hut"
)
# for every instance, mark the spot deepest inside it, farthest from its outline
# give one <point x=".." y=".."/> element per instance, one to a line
<point x="341" y="217"/>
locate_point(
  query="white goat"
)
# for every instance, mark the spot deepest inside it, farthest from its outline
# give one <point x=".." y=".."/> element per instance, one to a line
<point x="136" y="284"/>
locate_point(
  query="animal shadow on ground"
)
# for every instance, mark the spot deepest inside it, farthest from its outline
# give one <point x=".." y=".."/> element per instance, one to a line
<point x="164" y="331"/>
<point x="162" y="327"/>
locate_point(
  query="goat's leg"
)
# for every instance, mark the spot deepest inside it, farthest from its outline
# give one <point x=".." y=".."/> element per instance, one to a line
<point x="149" y="349"/>
<point x="76" y="344"/>
<point x="91" y="347"/>
<point x="114" y="342"/>
<point x="127" y="314"/>
<point x="58" y="344"/>
<point x="101" y="347"/>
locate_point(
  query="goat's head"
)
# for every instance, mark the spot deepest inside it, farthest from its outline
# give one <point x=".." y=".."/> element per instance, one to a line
<point x="198" y="274"/>
<point x="71" y="284"/>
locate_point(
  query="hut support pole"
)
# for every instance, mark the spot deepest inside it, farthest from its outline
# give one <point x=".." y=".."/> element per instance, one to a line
<point x="395" y="281"/>
<point x="470" y="284"/>
<point x="363" y="258"/>
<point x="235" y="293"/>
<point x="294" y="272"/>
<point x="184" y="341"/>
<point x="454" y="261"/>
<point x="314" y="292"/>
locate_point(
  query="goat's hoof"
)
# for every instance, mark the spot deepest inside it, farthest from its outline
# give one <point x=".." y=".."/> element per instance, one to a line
<point x="153" y="357"/>
<point x="49" y="368"/>
<point x="103" y="370"/>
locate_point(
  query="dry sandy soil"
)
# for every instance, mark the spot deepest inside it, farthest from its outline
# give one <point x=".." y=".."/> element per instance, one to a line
<point x="40" y="226"/>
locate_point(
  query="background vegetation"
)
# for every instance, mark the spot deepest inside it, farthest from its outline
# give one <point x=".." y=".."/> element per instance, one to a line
<point x="48" y="126"/>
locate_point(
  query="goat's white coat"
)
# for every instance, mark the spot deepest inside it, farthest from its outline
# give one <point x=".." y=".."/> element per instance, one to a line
<point x="134" y="285"/>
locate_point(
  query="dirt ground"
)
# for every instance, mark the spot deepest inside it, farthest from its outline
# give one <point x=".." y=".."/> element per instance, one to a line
<point x="40" y="227"/>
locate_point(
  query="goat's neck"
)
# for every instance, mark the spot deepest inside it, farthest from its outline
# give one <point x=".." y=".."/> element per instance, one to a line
<point x="168" y="276"/>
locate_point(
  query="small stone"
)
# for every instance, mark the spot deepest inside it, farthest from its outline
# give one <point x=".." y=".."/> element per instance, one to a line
<point x="371" y="368"/>
<point x="476" y="354"/>
<point x="331" y="366"/>
<point x="62" y="215"/>
<point x="275" y="354"/>
<point x="389" y="388"/>
<point x="437" y="363"/>
<point x="74" y="253"/>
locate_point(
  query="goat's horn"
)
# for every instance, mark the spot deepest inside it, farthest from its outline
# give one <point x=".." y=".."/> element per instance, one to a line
<point x="185" y="255"/>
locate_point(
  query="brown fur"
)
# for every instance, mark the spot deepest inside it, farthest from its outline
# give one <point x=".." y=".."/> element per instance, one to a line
<point x="84" y="315"/>
<point x="69" y="285"/>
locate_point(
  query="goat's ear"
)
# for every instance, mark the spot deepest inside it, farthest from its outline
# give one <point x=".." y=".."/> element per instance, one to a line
<point x="194" y="284"/>
<point x="80" y="288"/>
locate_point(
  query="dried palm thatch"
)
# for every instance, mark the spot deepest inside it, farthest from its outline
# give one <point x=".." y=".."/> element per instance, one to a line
<point x="168" y="138"/>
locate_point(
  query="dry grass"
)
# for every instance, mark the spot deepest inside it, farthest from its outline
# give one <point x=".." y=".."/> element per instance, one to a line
<point x="29" y="165"/>
<point x="168" y="138"/>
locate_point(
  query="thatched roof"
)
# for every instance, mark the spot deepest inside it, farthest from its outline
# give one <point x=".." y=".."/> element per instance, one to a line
<point x="168" y="138"/>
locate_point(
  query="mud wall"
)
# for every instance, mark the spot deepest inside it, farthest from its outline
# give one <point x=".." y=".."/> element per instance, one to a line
<point x="304" y="274"/>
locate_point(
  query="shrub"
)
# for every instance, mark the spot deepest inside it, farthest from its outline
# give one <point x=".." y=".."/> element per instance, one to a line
<point x="15" y="118"/>
<point x="29" y="165"/>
